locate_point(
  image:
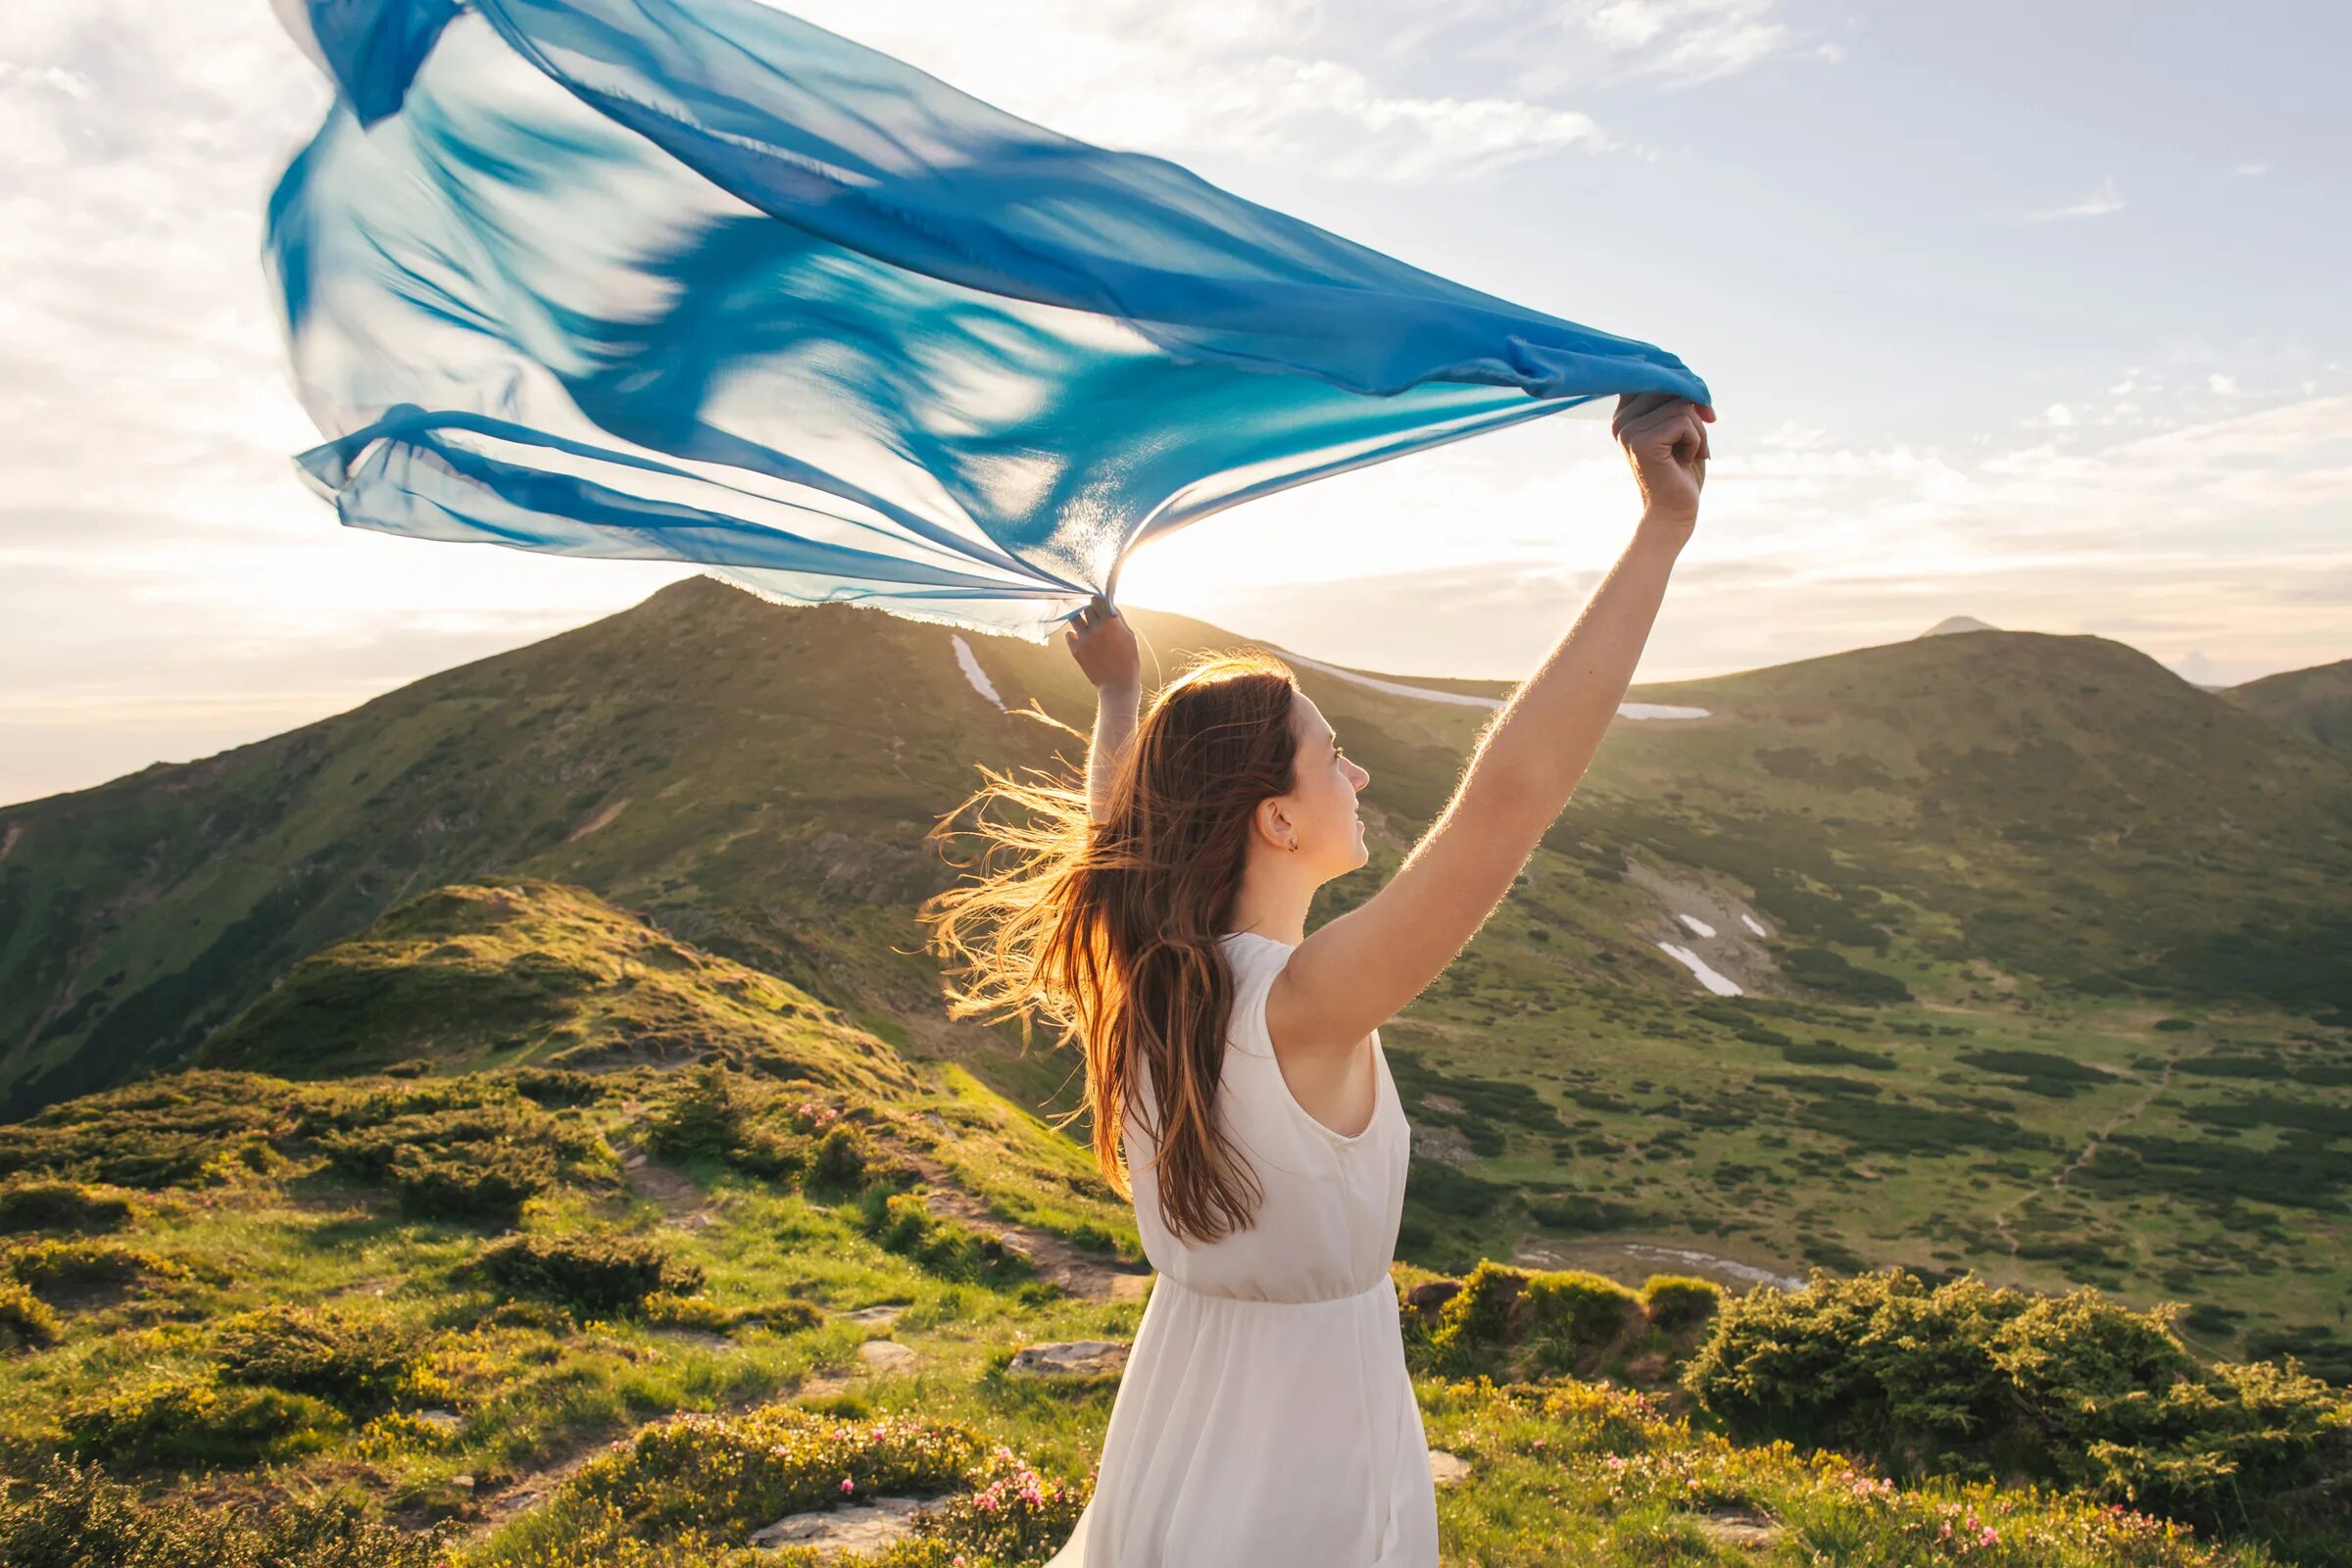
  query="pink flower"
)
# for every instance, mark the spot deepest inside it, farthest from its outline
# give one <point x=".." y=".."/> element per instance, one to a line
<point x="846" y="1485"/>
<point x="1989" y="1536"/>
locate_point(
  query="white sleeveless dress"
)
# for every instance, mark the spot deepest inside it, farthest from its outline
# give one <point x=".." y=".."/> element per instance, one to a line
<point x="1266" y="1418"/>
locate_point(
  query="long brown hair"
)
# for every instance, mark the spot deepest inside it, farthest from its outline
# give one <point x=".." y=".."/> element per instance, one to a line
<point x="1109" y="930"/>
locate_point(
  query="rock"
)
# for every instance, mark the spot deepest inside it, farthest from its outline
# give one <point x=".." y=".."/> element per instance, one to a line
<point x="1431" y="1295"/>
<point x="461" y="1483"/>
<point x="867" y="1526"/>
<point x="442" y="1421"/>
<point x="886" y="1355"/>
<point x="889" y="1312"/>
<point x="1446" y="1469"/>
<point x="1736" y="1526"/>
<point x="1075" y="1358"/>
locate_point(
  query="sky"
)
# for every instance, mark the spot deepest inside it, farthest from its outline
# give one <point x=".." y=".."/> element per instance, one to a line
<point x="2035" y="312"/>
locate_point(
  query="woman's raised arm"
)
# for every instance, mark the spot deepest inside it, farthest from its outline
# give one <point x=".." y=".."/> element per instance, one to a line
<point x="1357" y="972"/>
<point x="1103" y="644"/>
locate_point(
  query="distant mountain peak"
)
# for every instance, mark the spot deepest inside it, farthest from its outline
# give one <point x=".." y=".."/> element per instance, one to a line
<point x="1957" y="624"/>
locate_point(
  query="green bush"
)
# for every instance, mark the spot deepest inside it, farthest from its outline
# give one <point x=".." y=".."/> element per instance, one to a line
<point x="175" y="1129"/>
<point x="1480" y="1317"/>
<point x="68" y="1263"/>
<point x="551" y="1086"/>
<point x="480" y="1182"/>
<point x="195" y="1421"/>
<point x="72" y="1516"/>
<point x="1585" y="1310"/>
<point x="25" y="1321"/>
<point x="704" y="1483"/>
<point x="705" y="1113"/>
<point x="845" y="1157"/>
<point x="593" y="1275"/>
<point x="902" y="1223"/>
<point x="2073" y="1390"/>
<point x="65" y="1208"/>
<point x="671" y="1311"/>
<point x="1676" y="1302"/>
<point x="356" y="1364"/>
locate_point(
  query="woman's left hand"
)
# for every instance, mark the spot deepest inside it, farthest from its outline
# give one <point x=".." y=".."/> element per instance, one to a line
<point x="1103" y="644"/>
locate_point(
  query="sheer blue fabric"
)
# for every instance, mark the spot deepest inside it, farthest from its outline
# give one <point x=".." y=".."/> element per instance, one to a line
<point x="694" y="281"/>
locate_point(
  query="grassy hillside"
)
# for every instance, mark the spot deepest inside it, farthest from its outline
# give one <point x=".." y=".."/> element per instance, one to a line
<point x="2318" y="702"/>
<point x="534" y="973"/>
<point x="2040" y="948"/>
<point x="731" y="1298"/>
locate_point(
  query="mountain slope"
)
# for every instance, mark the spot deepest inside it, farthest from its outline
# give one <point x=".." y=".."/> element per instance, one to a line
<point x="534" y="973"/>
<point x="2316" y="702"/>
<point x="761" y="777"/>
<point x="2063" y="806"/>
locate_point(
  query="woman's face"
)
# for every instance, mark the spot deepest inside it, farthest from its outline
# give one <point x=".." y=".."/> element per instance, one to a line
<point x="1321" y="806"/>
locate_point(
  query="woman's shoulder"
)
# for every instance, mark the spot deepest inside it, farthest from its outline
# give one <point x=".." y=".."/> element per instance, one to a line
<point x="1254" y="960"/>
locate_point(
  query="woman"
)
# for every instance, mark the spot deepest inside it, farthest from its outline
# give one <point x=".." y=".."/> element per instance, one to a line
<point x="1233" y="1063"/>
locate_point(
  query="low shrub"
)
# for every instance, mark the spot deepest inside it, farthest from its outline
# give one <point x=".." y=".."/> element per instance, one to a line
<point x="75" y="1516"/>
<point x="70" y="1209"/>
<point x="27" y="1322"/>
<point x="2075" y="1391"/>
<point x="184" y="1422"/>
<point x="845" y="1156"/>
<point x="1585" y="1309"/>
<point x="672" y="1312"/>
<point x="902" y="1223"/>
<point x="175" y="1128"/>
<point x="69" y="1264"/>
<point x="477" y="1183"/>
<point x="1011" y="1515"/>
<point x="1480" y="1318"/>
<point x="1678" y="1302"/>
<point x="705" y="1113"/>
<point x="356" y="1364"/>
<point x="593" y="1275"/>
<point x="702" y="1483"/>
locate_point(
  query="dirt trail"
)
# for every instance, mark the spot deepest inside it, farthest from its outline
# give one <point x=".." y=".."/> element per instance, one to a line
<point x="2089" y="1150"/>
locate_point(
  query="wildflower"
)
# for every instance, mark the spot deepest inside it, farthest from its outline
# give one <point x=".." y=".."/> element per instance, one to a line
<point x="846" y="1485"/>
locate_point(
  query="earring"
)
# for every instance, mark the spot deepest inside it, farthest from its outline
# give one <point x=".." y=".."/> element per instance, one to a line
<point x="1293" y="844"/>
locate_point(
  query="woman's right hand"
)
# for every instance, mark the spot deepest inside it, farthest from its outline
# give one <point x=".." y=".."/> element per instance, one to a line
<point x="1665" y="440"/>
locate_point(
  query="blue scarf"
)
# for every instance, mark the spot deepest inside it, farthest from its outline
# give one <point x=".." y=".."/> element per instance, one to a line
<point x="693" y="280"/>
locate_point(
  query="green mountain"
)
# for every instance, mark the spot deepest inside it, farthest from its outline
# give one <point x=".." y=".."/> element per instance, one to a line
<point x="2318" y="702"/>
<point x="2037" y="948"/>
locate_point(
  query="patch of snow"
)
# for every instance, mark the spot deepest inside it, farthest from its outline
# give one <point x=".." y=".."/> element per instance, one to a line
<point x="1396" y="688"/>
<point x="1753" y="924"/>
<point x="1696" y="924"/>
<point x="1430" y="694"/>
<point x="970" y="662"/>
<point x="1698" y="966"/>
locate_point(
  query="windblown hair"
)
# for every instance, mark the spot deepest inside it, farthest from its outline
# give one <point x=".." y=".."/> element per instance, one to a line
<point x="1108" y="929"/>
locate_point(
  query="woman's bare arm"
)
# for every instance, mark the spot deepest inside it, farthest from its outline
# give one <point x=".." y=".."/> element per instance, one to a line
<point x="1103" y="644"/>
<point x="1357" y="972"/>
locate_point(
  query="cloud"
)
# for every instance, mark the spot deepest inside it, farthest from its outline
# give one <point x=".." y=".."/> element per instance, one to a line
<point x="2098" y="204"/>
<point x="1258" y="80"/>
<point x="2252" y="169"/>
<point x="1684" y="41"/>
<point x="2176" y="540"/>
